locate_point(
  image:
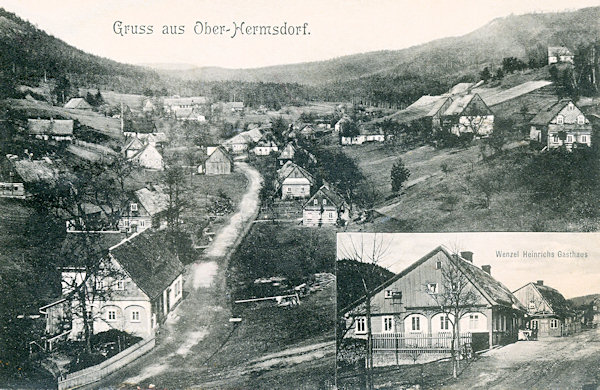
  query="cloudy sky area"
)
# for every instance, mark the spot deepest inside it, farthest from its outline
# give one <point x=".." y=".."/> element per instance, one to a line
<point x="337" y="27"/>
<point x="571" y="276"/>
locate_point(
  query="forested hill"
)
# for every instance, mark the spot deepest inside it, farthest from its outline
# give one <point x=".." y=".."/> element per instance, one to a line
<point x="27" y="52"/>
<point x="429" y="68"/>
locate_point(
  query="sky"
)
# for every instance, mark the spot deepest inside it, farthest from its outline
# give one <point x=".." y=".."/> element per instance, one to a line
<point x="334" y="27"/>
<point x="572" y="276"/>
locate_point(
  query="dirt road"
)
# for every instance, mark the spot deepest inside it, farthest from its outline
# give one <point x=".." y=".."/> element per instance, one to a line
<point x="555" y="363"/>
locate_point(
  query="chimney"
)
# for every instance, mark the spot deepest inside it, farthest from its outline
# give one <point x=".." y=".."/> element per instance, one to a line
<point x="540" y="282"/>
<point x="487" y="269"/>
<point x="467" y="255"/>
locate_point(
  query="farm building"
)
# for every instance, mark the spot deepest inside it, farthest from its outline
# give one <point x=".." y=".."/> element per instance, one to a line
<point x="218" y="162"/>
<point x="325" y="207"/>
<point x="265" y="147"/>
<point x="140" y="279"/>
<point x="287" y="154"/>
<point x="293" y="181"/>
<point x="146" y="204"/>
<point x="175" y="103"/>
<point x="148" y="157"/>
<point x="51" y="129"/>
<point x="11" y="184"/>
<point x="468" y="114"/>
<point x="240" y="142"/>
<point x="407" y="314"/>
<point x="561" y="124"/>
<point x="189" y="114"/>
<point x="366" y="134"/>
<point x="549" y="313"/>
<point x="558" y="54"/>
<point x="78" y="104"/>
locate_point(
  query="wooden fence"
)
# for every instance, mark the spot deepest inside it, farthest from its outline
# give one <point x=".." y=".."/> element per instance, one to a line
<point x="95" y="373"/>
<point x="423" y="343"/>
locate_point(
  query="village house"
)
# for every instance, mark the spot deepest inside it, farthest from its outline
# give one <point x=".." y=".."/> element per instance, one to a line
<point x="340" y="124"/>
<point x="286" y="154"/>
<point x="366" y="134"/>
<point x="234" y="106"/>
<point x="148" y="107"/>
<point x="132" y="147"/>
<point x="325" y="208"/>
<point x="218" y="162"/>
<point x="140" y="280"/>
<point x="189" y="114"/>
<point x="405" y="310"/>
<point x="11" y="184"/>
<point x="148" y="208"/>
<point x="78" y="104"/>
<point x="239" y="143"/>
<point x="149" y="158"/>
<point x="558" y="54"/>
<point x="549" y="313"/>
<point x="17" y="176"/>
<point x="293" y="181"/>
<point x="175" y="103"/>
<point x="264" y="147"/>
<point x="468" y="114"/>
<point x="561" y="124"/>
<point x="51" y="129"/>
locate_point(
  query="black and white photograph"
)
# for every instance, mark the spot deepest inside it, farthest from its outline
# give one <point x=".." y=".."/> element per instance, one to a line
<point x="179" y="181"/>
<point x="468" y="310"/>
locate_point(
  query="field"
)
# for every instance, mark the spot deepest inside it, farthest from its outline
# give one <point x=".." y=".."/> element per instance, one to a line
<point x="451" y="198"/>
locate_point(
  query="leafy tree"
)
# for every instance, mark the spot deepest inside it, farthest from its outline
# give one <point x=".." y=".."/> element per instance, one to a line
<point x="62" y="90"/>
<point x="485" y="74"/>
<point x="399" y="175"/>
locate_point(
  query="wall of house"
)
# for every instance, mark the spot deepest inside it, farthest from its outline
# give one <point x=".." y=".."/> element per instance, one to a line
<point x="481" y="125"/>
<point x="314" y="217"/>
<point x="10" y="190"/>
<point x="150" y="158"/>
<point x="291" y="191"/>
<point x="217" y="164"/>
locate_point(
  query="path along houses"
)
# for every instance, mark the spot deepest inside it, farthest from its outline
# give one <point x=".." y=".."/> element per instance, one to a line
<point x="404" y="310"/>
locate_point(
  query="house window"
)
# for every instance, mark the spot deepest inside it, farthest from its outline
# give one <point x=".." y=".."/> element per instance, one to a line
<point x="569" y="138"/>
<point x="316" y="202"/>
<point x="534" y="324"/>
<point x="133" y="207"/>
<point x="553" y="323"/>
<point x="112" y="315"/>
<point x="135" y="316"/>
<point x="99" y="284"/>
<point x="473" y="321"/>
<point x="555" y="138"/>
<point x="560" y="120"/>
<point x="432" y="288"/>
<point x="531" y="306"/>
<point x="389" y="293"/>
<point x="330" y="215"/>
<point x="324" y="202"/>
<point x="415" y="323"/>
<point x="361" y="325"/>
<point x="580" y="120"/>
<point x="584" y="139"/>
<point x="444" y="322"/>
<point x="571" y="106"/>
<point x="388" y="324"/>
<point x="289" y="189"/>
<point x="438" y="265"/>
<point x="141" y="223"/>
<point x="302" y="189"/>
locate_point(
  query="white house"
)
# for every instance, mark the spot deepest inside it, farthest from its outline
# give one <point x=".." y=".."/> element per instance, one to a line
<point x="148" y="157"/>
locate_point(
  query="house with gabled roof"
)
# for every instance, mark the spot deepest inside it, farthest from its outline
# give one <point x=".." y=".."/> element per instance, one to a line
<point x="561" y="124"/>
<point x="148" y="157"/>
<point x="558" y="54"/>
<point x="151" y="203"/>
<point x="218" y="162"/>
<point x="132" y="147"/>
<point x="468" y="114"/>
<point x="264" y="147"/>
<point x="240" y="142"/>
<point x="325" y="208"/>
<point x="144" y="286"/>
<point x="293" y="181"/>
<point x="404" y="307"/>
<point x="548" y="312"/>
<point x="286" y="154"/>
<point x="78" y="104"/>
<point x="51" y="129"/>
<point x="366" y="133"/>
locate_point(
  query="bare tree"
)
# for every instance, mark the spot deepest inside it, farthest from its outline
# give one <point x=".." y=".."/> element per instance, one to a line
<point x="371" y="253"/>
<point x="455" y="298"/>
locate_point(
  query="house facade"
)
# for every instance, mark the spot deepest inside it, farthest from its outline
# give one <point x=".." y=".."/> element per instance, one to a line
<point x="219" y="162"/>
<point x="549" y="313"/>
<point x="265" y="147"/>
<point x="51" y="129"/>
<point x="365" y="135"/>
<point x="173" y="104"/>
<point x="468" y="114"/>
<point x="293" y="181"/>
<point x="144" y="285"/>
<point x="561" y="124"/>
<point x="148" y="157"/>
<point x="287" y="154"/>
<point x="558" y="54"/>
<point x="325" y="208"/>
<point x="407" y="307"/>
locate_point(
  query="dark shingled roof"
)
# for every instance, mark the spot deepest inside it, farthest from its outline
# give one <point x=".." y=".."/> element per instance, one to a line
<point x="555" y="299"/>
<point x="76" y="245"/>
<point x="548" y="113"/>
<point x="335" y="198"/>
<point x="146" y="259"/>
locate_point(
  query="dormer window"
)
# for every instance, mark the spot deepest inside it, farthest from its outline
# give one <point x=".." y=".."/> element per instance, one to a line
<point x="316" y="202"/>
<point x="571" y="107"/>
<point x="133" y="207"/>
<point x="432" y="288"/>
<point x="560" y="120"/>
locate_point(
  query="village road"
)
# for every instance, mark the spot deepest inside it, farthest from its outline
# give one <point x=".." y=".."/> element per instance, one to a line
<point x="564" y="363"/>
<point x="189" y="340"/>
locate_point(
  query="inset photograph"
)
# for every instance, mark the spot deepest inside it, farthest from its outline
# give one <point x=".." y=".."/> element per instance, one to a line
<point x="468" y="310"/>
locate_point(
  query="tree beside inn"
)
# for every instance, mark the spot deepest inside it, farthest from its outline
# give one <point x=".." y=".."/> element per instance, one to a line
<point x="410" y="322"/>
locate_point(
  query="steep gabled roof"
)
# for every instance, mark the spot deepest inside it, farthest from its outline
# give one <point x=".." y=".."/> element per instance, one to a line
<point x="134" y="143"/>
<point x="78" y="103"/>
<point x="555" y="300"/>
<point x="220" y="150"/>
<point x="154" y="202"/>
<point x="50" y="126"/>
<point x="491" y="289"/>
<point x="146" y="259"/>
<point x="287" y="152"/>
<point x="550" y="112"/>
<point x="78" y="244"/>
<point x="466" y="103"/>
<point x="330" y="194"/>
<point x="290" y="167"/>
<point x="34" y="171"/>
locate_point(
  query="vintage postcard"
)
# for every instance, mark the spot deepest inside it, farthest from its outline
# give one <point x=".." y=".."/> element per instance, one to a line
<point x="299" y="195"/>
